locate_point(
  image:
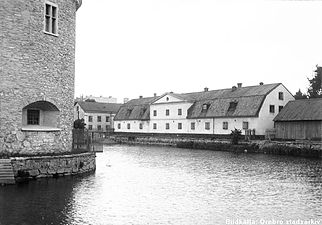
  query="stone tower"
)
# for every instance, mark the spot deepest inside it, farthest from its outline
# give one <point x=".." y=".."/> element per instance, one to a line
<point x="37" y="69"/>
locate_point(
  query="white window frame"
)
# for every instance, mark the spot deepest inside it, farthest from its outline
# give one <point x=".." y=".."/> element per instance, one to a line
<point x="51" y="18"/>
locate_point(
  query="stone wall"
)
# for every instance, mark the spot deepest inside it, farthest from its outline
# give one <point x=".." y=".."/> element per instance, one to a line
<point x="297" y="148"/>
<point x="35" y="66"/>
<point x="52" y="166"/>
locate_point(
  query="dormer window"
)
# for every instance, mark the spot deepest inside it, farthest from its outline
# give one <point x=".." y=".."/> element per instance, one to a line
<point x="232" y="107"/>
<point x="205" y="107"/>
<point x="51" y="18"/>
<point x="128" y="112"/>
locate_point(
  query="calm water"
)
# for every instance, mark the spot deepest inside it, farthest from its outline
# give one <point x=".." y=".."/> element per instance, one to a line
<point x="155" y="185"/>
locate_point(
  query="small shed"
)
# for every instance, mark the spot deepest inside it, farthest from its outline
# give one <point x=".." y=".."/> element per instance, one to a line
<point x="300" y="119"/>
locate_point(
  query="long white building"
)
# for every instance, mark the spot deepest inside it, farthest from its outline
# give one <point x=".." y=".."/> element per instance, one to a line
<point x="207" y="112"/>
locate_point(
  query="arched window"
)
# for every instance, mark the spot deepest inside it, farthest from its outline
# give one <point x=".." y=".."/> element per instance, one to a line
<point x="40" y="115"/>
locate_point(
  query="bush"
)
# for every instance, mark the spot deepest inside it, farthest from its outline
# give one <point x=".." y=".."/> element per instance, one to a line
<point x="235" y="136"/>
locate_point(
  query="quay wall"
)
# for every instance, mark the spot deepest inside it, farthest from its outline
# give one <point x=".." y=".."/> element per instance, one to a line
<point x="292" y="148"/>
<point x="26" y="168"/>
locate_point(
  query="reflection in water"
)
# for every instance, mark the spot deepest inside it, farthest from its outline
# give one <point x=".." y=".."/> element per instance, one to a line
<point x="155" y="185"/>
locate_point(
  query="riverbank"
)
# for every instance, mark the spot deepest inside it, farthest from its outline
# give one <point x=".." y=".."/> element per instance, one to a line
<point x="309" y="149"/>
<point x="35" y="167"/>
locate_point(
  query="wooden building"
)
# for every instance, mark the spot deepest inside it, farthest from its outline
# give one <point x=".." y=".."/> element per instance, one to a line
<point x="300" y="119"/>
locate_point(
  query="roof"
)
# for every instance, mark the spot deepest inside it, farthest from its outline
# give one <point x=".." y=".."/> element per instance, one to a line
<point x="98" y="107"/>
<point x="135" y="109"/>
<point x="247" y="103"/>
<point x="258" y="90"/>
<point x="301" y="110"/>
<point x="218" y="108"/>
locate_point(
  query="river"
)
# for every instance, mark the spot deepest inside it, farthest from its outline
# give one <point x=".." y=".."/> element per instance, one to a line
<point x="163" y="185"/>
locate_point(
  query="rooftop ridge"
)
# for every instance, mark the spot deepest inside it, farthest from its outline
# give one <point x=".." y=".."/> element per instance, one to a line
<point x="226" y="89"/>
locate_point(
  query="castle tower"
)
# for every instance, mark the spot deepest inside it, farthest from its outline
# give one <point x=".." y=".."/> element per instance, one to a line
<point x="37" y="69"/>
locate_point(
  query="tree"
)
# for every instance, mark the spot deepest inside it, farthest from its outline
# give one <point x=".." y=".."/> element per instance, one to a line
<point x="235" y="136"/>
<point x="300" y="95"/>
<point x="79" y="124"/>
<point x="315" y="88"/>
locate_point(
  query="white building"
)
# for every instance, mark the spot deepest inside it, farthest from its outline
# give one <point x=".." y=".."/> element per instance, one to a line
<point x="97" y="116"/>
<point x="207" y="112"/>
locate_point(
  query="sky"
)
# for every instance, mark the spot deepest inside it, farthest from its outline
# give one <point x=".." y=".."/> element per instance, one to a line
<point x="132" y="48"/>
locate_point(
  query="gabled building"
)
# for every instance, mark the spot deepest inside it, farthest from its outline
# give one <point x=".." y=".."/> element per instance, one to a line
<point x="208" y="112"/>
<point x="97" y="116"/>
<point x="134" y="116"/>
<point x="300" y="119"/>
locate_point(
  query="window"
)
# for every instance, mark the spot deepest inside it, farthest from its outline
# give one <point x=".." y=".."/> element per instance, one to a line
<point x="272" y="108"/>
<point x="232" y="107"/>
<point x="280" y="108"/>
<point x="90" y="127"/>
<point x="128" y="126"/>
<point x="77" y="108"/>
<point x="179" y="126"/>
<point x="154" y="126"/>
<point x="207" y="125"/>
<point x="90" y="119"/>
<point x="99" y="119"/>
<point x="179" y="112"/>
<point x="154" y="113"/>
<point x="119" y="126"/>
<point x="107" y="119"/>
<point x="167" y="126"/>
<point x="99" y="127"/>
<point x="167" y="112"/>
<point x="280" y="95"/>
<point x="205" y="107"/>
<point x="107" y="127"/>
<point x="245" y="125"/>
<point x="141" y="126"/>
<point x="193" y="125"/>
<point x="225" y="125"/>
<point x="51" y="16"/>
<point x="41" y="113"/>
<point x="33" y="116"/>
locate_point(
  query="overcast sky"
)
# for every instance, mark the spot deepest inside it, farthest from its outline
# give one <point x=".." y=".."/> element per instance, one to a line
<point x="128" y="48"/>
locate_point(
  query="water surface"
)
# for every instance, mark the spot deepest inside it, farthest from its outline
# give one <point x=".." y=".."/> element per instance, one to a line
<point x="162" y="185"/>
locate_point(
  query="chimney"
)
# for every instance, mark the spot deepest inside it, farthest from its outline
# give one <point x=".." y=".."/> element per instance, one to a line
<point x="261" y="83"/>
<point x="155" y="94"/>
<point x="141" y="96"/>
<point x="234" y="88"/>
<point x="239" y="85"/>
<point x="206" y="89"/>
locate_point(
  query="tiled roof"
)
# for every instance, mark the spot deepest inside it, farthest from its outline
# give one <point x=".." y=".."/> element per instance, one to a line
<point x="98" y="107"/>
<point x="304" y="109"/>
<point x="258" y="90"/>
<point x="245" y="107"/>
<point x="135" y="109"/>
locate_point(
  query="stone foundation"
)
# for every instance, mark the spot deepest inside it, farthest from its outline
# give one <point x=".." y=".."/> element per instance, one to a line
<point x="33" y="143"/>
<point x="26" y="168"/>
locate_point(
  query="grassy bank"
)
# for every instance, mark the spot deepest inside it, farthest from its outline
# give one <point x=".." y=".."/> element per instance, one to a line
<point x="302" y="149"/>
